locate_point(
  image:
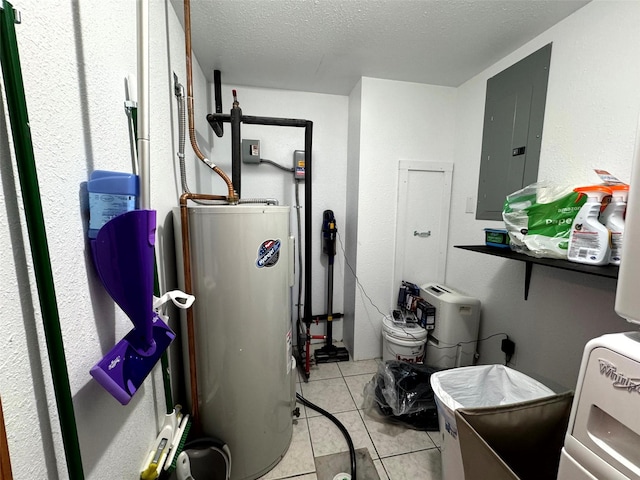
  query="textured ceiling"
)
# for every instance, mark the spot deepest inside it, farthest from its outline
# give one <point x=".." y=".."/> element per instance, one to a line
<point x="327" y="45"/>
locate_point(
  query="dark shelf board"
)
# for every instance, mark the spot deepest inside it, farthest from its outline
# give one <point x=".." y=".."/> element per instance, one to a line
<point x="609" y="271"/>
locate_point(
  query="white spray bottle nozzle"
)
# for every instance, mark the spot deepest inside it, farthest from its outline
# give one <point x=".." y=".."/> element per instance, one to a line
<point x="597" y="192"/>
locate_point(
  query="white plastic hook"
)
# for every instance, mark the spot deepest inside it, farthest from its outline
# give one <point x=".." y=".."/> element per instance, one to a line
<point x="179" y="298"/>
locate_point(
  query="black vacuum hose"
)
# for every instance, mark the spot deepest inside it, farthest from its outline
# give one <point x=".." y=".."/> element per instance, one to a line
<point x="347" y="437"/>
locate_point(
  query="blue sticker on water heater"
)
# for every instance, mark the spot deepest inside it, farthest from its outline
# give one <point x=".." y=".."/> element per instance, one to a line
<point x="268" y="253"/>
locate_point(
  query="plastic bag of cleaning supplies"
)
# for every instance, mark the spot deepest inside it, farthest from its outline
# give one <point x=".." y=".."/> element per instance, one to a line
<point x="539" y="218"/>
<point x="400" y="392"/>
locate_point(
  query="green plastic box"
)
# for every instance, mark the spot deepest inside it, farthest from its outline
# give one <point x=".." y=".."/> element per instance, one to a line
<point x="494" y="237"/>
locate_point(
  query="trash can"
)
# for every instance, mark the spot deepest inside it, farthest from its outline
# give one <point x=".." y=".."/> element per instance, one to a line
<point x="522" y="441"/>
<point x="476" y="386"/>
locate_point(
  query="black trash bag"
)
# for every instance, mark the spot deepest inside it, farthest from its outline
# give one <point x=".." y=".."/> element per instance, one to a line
<point x="400" y="392"/>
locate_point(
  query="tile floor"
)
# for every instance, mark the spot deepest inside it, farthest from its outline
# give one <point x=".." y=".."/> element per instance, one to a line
<point x="398" y="453"/>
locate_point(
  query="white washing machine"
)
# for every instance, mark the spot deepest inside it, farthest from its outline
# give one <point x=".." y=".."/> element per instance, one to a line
<point x="603" y="437"/>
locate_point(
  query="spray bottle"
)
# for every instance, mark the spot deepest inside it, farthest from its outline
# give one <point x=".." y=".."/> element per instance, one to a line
<point x="612" y="217"/>
<point x="589" y="240"/>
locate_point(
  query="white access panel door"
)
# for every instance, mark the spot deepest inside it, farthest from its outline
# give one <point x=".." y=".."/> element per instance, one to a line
<point x="422" y="228"/>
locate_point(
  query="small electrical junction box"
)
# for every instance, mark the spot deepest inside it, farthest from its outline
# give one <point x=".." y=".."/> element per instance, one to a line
<point x="250" y="151"/>
<point x="298" y="164"/>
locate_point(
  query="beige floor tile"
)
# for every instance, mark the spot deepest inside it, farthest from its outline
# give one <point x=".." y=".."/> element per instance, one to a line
<point x="331" y="395"/>
<point x="382" y="473"/>
<point x="299" y="458"/>
<point x="423" y="465"/>
<point x="356" y="386"/>
<point x="359" y="368"/>
<point x="390" y="439"/>
<point x="399" y="453"/>
<point x="322" y="371"/>
<point x="437" y="438"/>
<point x="326" y="437"/>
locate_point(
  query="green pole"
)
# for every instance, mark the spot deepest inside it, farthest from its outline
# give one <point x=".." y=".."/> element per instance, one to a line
<point x="23" y="145"/>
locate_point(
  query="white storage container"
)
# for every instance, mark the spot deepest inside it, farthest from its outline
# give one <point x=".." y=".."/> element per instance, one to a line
<point x="452" y="343"/>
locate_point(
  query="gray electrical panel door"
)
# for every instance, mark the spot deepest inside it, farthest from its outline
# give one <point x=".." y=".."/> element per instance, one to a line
<point x="512" y="135"/>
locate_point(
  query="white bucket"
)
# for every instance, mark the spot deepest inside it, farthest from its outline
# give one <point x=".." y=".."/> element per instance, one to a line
<point x="402" y="342"/>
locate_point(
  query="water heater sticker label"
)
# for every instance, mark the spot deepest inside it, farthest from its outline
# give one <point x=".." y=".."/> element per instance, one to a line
<point x="268" y="253"/>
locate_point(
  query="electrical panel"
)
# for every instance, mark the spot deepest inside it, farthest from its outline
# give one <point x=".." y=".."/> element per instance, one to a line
<point x="512" y="134"/>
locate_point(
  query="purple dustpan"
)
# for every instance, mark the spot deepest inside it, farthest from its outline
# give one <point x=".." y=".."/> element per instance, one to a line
<point x="124" y="368"/>
<point x="123" y="253"/>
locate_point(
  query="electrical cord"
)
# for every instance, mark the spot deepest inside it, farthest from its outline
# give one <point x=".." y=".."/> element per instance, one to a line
<point x="300" y="340"/>
<point x="275" y="164"/>
<point x="451" y="345"/>
<point x="356" y="276"/>
<point x="347" y="437"/>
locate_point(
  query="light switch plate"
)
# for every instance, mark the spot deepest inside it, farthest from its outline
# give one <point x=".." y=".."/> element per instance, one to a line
<point x="470" y="208"/>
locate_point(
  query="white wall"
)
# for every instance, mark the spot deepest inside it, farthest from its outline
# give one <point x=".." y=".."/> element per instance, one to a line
<point x="75" y="57"/>
<point x="590" y="122"/>
<point x="329" y="114"/>
<point x="399" y="121"/>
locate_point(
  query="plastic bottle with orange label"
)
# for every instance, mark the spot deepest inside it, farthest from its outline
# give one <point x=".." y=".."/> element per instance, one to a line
<point x="589" y="241"/>
<point x="612" y="217"/>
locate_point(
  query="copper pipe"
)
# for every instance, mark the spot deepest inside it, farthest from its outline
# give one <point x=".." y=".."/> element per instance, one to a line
<point x="188" y="288"/>
<point x="5" y="460"/>
<point x="231" y="197"/>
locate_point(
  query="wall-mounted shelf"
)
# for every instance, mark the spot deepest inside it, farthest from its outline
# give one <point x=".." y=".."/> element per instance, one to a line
<point x="609" y="271"/>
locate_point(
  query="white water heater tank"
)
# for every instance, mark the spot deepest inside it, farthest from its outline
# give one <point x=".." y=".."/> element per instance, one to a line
<point x="242" y="274"/>
<point x="453" y="341"/>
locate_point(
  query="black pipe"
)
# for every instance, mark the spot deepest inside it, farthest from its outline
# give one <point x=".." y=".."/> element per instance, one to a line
<point x="236" y="153"/>
<point x="308" y="140"/>
<point x="218" y="128"/>
<point x="212" y="118"/>
<point x="345" y="432"/>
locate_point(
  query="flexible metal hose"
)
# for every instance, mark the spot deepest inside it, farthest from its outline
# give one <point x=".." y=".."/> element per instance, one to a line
<point x="268" y="201"/>
<point x="182" y="120"/>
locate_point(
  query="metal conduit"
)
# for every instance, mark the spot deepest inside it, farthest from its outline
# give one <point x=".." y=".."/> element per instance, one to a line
<point x="23" y="145"/>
